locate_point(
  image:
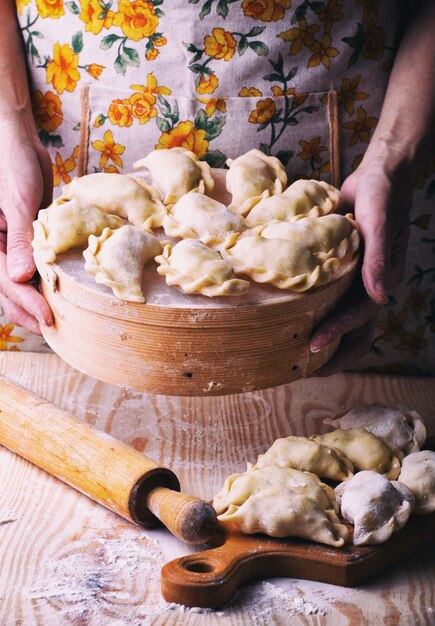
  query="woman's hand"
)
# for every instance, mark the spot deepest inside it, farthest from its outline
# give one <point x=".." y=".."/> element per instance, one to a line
<point x="380" y="198"/>
<point x="379" y="192"/>
<point x="25" y="186"/>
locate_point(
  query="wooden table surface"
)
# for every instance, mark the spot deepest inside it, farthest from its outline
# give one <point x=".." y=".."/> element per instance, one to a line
<point x="66" y="560"/>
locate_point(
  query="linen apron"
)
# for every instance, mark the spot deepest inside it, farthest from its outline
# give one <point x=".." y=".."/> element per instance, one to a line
<point x="302" y="80"/>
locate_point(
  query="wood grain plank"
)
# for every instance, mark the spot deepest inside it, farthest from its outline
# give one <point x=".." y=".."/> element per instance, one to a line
<point x="67" y="560"/>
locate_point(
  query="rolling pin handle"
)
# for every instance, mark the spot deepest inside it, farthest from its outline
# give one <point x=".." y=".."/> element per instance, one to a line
<point x="154" y="497"/>
<point x="189" y="518"/>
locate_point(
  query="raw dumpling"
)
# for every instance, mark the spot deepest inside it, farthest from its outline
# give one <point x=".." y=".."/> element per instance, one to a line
<point x="277" y="261"/>
<point x="251" y="176"/>
<point x="64" y="225"/>
<point x="239" y="487"/>
<point x="120" y="195"/>
<point x="331" y="236"/>
<point x="176" y="172"/>
<point x="309" y="456"/>
<point x="375" y="506"/>
<point x="280" y="208"/>
<point x="418" y="474"/>
<point x="117" y="259"/>
<point x="402" y="427"/>
<point x="279" y="512"/>
<point x="304" y="198"/>
<point x="313" y="193"/>
<point x="364" y="450"/>
<point x="195" y="268"/>
<point x="197" y="216"/>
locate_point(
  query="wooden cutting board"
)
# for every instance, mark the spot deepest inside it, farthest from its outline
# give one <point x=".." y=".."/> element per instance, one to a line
<point x="210" y="578"/>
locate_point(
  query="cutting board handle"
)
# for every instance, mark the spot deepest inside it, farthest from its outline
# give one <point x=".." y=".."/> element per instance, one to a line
<point x="210" y="578"/>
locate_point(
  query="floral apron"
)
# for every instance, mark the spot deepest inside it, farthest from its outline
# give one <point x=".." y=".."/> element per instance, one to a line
<point x="302" y="80"/>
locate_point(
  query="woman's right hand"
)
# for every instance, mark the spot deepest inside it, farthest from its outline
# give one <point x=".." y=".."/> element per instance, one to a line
<point x="26" y="184"/>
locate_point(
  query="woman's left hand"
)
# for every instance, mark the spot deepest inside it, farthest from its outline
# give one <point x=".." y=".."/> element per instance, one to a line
<point x="380" y="200"/>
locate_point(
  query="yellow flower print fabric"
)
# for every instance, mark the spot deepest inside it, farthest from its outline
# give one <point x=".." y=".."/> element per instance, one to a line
<point x="219" y="78"/>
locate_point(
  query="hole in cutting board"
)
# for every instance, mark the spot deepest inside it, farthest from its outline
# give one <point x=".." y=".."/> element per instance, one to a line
<point x="199" y="567"/>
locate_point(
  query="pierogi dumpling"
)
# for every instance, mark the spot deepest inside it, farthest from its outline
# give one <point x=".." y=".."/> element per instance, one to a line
<point x="67" y="224"/>
<point x="330" y="236"/>
<point x="364" y="450"/>
<point x="308" y="456"/>
<point x="197" y="216"/>
<point x="177" y="171"/>
<point x="193" y="267"/>
<point x="282" y="263"/>
<point x="126" y="196"/>
<point x="310" y="193"/>
<point x="418" y="474"/>
<point x="375" y="506"/>
<point x="117" y="259"/>
<point x="239" y="487"/>
<point x="304" y="198"/>
<point x="251" y="176"/>
<point x="280" y="512"/>
<point x="280" y="208"/>
<point x="400" y="426"/>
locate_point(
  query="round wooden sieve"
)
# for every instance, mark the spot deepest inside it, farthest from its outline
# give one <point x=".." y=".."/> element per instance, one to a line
<point x="178" y="344"/>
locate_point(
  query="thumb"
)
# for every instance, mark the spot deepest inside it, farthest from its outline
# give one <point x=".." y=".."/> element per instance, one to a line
<point x="20" y="262"/>
<point x="373" y="216"/>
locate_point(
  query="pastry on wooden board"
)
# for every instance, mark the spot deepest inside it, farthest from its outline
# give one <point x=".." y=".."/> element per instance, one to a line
<point x="67" y="224"/>
<point x="198" y="216"/>
<point x="193" y="267"/>
<point x="118" y="194"/>
<point x="327" y="237"/>
<point x="239" y="487"/>
<point x="364" y="450"/>
<point x="177" y="171"/>
<point x="252" y="176"/>
<point x="308" y="456"/>
<point x="374" y="505"/>
<point x="117" y="258"/>
<point x="401" y="426"/>
<point x="369" y="499"/>
<point x="280" y="512"/>
<point x="418" y="473"/>
<point x="290" y="256"/>
<point x="282" y="263"/>
<point x="303" y="198"/>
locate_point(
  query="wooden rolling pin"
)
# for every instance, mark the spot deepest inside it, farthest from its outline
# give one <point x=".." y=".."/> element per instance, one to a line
<point x="95" y="463"/>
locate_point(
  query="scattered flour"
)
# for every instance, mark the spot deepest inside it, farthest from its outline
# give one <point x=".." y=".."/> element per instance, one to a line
<point x="110" y="574"/>
<point x="258" y="603"/>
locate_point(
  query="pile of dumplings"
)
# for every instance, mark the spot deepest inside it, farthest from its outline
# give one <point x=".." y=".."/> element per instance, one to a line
<point x="289" y="237"/>
<point x="375" y="457"/>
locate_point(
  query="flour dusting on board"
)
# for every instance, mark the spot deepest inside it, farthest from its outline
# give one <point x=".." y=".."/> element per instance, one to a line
<point x="110" y="573"/>
<point x="259" y="603"/>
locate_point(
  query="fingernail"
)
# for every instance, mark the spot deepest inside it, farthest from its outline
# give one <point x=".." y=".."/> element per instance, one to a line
<point x="315" y="348"/>
<point x="36" y="328"/>
<point x="45" y="321"/>
<point x="380" y="291"/>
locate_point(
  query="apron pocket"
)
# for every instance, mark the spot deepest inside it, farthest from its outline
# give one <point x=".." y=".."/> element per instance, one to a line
<point x="120" y="126"/>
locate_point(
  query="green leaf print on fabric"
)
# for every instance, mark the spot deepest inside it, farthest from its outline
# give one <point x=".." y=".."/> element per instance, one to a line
<point x="77" y="42"/>
<point x="221" y="8"/>
<point x="301" y="11"/>
<point x="138" y="22"/>
<point x="73" y="7"/>
<point x="221" y="45"/>
<point x="29" y="36"/>
<point x="276" y="120"/>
